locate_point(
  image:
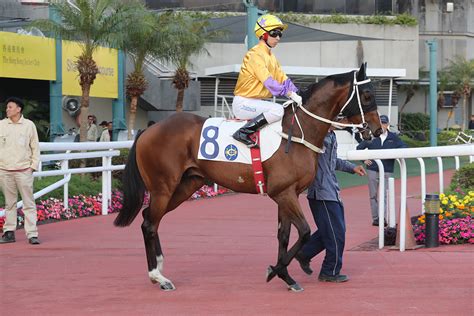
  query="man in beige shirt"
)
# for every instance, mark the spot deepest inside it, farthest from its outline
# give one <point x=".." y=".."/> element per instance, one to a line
<point x="19" y="157"/>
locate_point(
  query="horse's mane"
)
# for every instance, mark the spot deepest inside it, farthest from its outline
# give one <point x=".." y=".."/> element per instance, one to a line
<point x="338" y="79"/>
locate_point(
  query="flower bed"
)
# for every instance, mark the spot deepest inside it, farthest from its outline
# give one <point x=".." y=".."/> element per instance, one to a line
<point x="82" y="206"/>
<point x="455" y="220"/>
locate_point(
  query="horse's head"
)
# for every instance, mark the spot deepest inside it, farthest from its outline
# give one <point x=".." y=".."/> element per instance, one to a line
<point x="367" y="106"/>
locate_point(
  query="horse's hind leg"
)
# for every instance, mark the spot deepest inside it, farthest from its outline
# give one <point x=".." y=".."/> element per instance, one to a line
<point x="154" y="254"/>
<point x="155" y="259"/>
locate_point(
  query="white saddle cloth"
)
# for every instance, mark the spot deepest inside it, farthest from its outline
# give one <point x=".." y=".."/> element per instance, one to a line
<point x="217" y="143"/>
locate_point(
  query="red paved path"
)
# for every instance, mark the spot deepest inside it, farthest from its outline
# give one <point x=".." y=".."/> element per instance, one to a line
<point x="217" y="251"/>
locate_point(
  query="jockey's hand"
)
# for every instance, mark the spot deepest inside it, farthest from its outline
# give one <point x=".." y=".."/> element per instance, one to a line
<point x="359" y="170"/>
<point x="368" y="162"/>
<point x="296" y="98"/>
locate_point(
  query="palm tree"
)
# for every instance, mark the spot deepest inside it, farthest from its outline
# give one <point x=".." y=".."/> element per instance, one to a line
<point x="145" y="39"/>
<point x="91" y="23"/>
<point x="461" y="74"/>
<point x="189" y="37"/>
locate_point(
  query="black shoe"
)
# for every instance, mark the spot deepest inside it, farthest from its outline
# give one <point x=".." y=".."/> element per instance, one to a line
<point x="34" y="241"/>
<point x="375" y="222"/>
<point x="7" y="237"/>
<point x="304" y="263"/>
<point x="243" y="134"/>
<point x="339" y="278"/>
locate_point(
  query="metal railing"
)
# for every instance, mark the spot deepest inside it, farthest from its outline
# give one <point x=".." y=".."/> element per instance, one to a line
<point x="62" y="155"/>
<point x="440" y="152"/>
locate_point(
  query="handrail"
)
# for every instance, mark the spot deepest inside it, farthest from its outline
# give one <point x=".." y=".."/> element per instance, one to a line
<point x="401" y="154"/>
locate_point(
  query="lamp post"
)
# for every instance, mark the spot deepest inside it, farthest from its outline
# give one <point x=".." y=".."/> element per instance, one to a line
<point x="432" y="220"/>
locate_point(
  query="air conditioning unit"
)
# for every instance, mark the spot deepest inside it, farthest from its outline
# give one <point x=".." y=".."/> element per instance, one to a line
<point x="72" y="105"/>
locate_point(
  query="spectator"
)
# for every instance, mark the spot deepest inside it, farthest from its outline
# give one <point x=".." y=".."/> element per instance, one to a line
<point x="92" y="131"/>
<point x="387" y="140"/>
<point x="110" y="128"/>
<point x="19" y="157"/>
<point x="471" y="122"/>
<point x="328" y="213"/>
<point x="150" y="123"/>
<point x="104" y="136"/>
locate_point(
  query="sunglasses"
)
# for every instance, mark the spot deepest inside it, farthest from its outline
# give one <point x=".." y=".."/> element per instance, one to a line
<point x="275" y="33"/>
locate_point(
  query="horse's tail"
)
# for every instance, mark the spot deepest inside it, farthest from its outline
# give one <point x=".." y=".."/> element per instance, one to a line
<point x="133" y="189"/>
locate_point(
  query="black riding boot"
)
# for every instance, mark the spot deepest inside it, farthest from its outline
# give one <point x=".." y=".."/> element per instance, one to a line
<point x="242" y="135"/>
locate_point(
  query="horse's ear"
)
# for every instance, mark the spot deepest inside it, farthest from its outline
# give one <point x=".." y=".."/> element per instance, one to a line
<point x="361" y="74"/>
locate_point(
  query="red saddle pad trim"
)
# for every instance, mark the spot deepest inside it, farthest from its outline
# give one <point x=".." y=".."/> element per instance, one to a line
<point x="257" y="166"/>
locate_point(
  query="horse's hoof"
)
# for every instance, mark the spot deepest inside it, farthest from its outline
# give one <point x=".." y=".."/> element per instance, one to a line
<point x="271" y="273"/>
<point x="167" y="286"/>
<point x="295" y="288"/>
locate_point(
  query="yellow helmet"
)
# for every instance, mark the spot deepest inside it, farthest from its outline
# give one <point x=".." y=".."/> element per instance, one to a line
<point x="267" y="23"/>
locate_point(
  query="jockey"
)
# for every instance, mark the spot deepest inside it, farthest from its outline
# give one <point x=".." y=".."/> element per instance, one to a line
<point x="261" y="77"/>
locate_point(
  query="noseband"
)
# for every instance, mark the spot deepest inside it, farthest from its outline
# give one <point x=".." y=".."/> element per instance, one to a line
<point x="362" y="126"/>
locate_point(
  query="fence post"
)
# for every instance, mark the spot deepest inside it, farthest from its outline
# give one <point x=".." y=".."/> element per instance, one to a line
<point x="403" y="203"/>
<point x="65" y="166"/>
<point x="423" y="183"/>
<point x="441" y="176"/>
<point x="381" y="202"/>
<point x="105" y="200"/>
<point x="391" y="204"/>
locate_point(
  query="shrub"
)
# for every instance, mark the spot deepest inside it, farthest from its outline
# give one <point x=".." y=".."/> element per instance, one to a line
<point x="463" y="179"/>
<point x="414" y="122"/>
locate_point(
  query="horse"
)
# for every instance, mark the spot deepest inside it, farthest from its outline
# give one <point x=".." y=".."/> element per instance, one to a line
<point x="163" y="161"/>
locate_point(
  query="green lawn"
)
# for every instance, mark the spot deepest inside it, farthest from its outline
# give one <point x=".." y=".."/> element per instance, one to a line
<point x="347" y="180"/>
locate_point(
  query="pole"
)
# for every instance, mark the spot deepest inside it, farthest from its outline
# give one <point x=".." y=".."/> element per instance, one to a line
<point x="252" y="15"/>
<point x="56" y="87"/>
<point x="118" y="105"/>
<point x="433" y="93"/>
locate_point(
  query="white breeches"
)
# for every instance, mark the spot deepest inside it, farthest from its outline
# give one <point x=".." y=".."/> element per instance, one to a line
<point x="246" y="108"/>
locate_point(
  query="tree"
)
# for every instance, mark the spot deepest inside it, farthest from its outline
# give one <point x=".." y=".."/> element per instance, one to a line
<point x="147" y="38"/>
<point x="91" y="23"/>
<point x="461" y="75"/>
<point x="189" y="37"/>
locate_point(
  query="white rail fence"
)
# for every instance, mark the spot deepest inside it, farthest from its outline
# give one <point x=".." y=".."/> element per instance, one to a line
<point x="107" y="150"/>
<point x="440" y="152"/>
<point x="104" y="150"/>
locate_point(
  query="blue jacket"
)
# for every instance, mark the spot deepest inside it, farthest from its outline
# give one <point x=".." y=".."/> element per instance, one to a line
<point x="392" y="141"/>
<point x="325" y="186"/>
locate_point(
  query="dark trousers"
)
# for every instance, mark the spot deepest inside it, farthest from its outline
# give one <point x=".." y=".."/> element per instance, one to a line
<point x="330" y="235"/>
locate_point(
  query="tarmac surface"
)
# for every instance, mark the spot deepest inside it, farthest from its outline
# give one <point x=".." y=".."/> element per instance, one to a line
<point x="216" y="253"/>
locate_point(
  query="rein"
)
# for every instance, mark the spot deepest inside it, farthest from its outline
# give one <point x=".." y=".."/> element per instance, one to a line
<point x="355" y="91"/>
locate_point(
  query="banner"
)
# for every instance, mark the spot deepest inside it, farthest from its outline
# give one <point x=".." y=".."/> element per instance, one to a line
<point x="27" y="57"/>
<point x="106" y="82"/>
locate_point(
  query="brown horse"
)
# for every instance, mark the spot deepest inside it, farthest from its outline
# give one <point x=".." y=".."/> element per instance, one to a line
<point x="163" y="161"/>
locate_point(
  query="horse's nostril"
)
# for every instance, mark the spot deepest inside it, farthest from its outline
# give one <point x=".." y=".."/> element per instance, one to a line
<point x="378" y="132"/>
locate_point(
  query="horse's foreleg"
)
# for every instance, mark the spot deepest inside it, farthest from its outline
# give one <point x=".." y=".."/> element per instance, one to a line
<point x="289" y="213"/>
<point x="153" y="251"/>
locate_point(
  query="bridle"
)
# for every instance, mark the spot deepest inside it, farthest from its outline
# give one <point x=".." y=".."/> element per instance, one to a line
<point x="361" y="126"/>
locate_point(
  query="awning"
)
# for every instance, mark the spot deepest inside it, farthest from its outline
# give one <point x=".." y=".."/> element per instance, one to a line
<point x="236" y="31"/>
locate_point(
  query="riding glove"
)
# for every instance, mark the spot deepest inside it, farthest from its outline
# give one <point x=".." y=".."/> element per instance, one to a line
<point x="295" y="97"/>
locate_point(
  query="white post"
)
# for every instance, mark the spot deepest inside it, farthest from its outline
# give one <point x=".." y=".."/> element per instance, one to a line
<point x="216" y="187"/>
<point x="423" y="183"/>
<point x="65" y="166"/>
<point x="391" y="206"/>
<point x="381" y="201"/>
<point x="456" y="161"/>
<point x="216" y="92"/>
<point x="441" y="176"/>
<point x="105" y="203"/>
<point x="403" y="203"/>
<point x="109" y="179"/>
<point x="390" y="101"/>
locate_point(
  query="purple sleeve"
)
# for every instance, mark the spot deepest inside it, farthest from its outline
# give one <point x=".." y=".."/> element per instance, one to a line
<point x="277" y="88"/>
